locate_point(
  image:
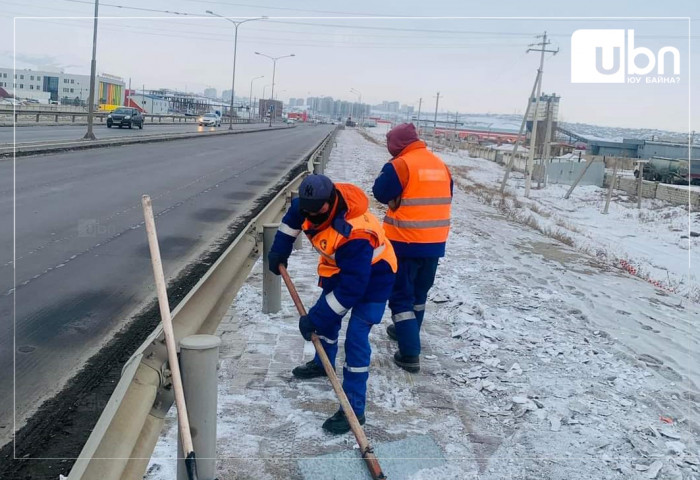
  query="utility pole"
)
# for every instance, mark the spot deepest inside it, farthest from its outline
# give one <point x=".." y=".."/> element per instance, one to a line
<point x="454" y="137"/>
<point x="93" y="72"/>
<point x="437" y="100"/>
<point x="547" y="142"/>
<point x="420" y="103"/>
<point x="533" y="139"/>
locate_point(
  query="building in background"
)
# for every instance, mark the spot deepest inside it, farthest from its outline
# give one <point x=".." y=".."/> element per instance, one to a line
<point x="65" y="88"/>
<point x="265" y="106"/>
<point x="548" y="109"/>
<point x="147" y="103"/>
<point x="211" y="93"/>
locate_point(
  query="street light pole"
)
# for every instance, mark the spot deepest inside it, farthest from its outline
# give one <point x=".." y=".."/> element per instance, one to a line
<point x="362" y="108"/>
<point x="274" y="67"/>
<point x="250" y="99"/>
<point x="235" y="48"/>
<point x="93" y="69"/>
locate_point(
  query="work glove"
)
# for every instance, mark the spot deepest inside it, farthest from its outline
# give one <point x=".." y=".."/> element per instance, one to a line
<point x="274" y="260"/>
<point x="306" y="327"/>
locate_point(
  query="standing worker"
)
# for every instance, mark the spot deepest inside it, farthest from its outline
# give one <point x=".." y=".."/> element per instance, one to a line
<point x="356" y="266"/>
<point x="417" y="187"/>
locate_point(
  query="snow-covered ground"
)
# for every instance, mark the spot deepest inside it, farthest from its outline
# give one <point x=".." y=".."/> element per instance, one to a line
<point x="654" y="242"/>
<point x="539" y="361"/>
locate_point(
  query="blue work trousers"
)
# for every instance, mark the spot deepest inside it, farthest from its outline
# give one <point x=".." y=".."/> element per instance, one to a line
<point x="414" y="279"/>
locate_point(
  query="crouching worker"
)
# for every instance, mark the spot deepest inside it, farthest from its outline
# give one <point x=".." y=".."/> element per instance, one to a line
<point x="356" y="266"/>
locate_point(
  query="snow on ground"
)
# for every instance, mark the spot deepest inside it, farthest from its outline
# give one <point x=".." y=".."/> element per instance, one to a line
<point x="539" y="362"/>
<point x="654" y="241"/>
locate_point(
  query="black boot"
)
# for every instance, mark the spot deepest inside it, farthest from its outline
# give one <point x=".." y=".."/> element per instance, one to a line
<point x="309" y="370"/>
<point x="391" y="331"/>
<point x="409" y="363"/>
<point x="338" y="423"/>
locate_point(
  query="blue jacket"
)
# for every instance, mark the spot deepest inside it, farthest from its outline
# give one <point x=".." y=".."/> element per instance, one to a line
<point x="358" y="280"/>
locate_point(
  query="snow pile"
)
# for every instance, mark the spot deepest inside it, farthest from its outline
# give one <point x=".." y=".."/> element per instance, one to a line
<point x="538" y="361"/>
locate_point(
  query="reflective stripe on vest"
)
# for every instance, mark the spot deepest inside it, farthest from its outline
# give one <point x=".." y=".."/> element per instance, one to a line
<point x="416" y="223"/>
<point x="422" y="214"/>
<point x="410" y="202"/>
<point x="365" y="226"/>
<point x="375" y="253"/>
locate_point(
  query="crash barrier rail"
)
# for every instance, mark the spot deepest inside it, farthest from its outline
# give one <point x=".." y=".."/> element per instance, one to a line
<point x="101" y="117"/>
<point x="125" y="435"/>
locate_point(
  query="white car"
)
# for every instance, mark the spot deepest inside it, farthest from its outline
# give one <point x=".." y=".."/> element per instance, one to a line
<point x="209" y="120"/>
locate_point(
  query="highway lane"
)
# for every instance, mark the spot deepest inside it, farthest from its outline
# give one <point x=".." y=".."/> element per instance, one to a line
<point x="82" y="263"/>
<point x="76" y="132"/>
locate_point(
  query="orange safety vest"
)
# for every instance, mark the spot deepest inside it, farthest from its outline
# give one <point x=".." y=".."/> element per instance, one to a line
<point x="423" y="211"/>
<point x="364" y="225"/>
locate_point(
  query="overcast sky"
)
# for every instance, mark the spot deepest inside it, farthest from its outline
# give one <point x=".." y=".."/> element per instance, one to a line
<point x="477" y="65"/>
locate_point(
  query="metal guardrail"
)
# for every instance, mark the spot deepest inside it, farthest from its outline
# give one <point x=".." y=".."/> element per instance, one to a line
<point x="122" y="441"/>
<point x="54" y="116"/>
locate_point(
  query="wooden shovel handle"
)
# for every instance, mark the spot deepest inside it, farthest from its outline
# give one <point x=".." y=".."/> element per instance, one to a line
<point x="367" y="454"/>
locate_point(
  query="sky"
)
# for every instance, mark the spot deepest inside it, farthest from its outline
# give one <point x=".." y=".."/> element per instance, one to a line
<point x="395" y="51"/>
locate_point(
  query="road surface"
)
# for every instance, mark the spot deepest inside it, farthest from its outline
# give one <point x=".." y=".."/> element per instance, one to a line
<point x="76" y="132"/>
<point x="82" y="261"/>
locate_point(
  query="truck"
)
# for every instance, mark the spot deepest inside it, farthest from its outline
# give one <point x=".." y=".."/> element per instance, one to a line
<point x="672" y="171"/>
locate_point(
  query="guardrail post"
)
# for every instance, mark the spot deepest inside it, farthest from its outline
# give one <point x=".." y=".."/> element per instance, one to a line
<point x="199" y="355"/>
<point x="56" y="118"/>
<point x="37" y="117"/>
<point x="272" y="286"/>
<point x="73" y="118"/>
<point x="297" y="242"/>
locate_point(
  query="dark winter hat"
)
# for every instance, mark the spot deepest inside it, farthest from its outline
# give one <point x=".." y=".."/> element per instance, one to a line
<point x="400" y="137"/>
<point x="314" y="191"/>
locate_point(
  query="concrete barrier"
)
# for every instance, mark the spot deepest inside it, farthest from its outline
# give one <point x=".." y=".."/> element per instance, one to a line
<point x="675" y="194"/>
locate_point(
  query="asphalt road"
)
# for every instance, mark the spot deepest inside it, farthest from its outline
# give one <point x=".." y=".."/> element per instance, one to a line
<point x="70" y="132"/>
<point x="82" y="262"/>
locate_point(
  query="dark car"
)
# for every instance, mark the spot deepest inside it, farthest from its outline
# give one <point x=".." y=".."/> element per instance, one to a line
<point x="125" y="117"/>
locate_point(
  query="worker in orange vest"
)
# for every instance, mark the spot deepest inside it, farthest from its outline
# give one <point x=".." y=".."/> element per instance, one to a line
<point x="356" y="267"/>
<point x="417" y="187"/>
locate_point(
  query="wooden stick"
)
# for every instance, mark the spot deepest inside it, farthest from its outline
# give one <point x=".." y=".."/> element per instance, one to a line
<point x="183" y="419"/>
<point x="367" y="453"/>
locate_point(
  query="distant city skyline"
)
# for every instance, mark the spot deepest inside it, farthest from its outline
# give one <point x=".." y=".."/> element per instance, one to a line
<point x="478" y="65"/>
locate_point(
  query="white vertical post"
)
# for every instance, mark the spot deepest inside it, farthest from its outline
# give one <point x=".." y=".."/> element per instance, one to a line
<point x="272" y="286"/>
<point x="199" y="355"/>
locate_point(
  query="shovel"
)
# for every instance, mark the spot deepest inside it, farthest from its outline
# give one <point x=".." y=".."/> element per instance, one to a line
<point x="182" y="418"/>
<point x="370" y="459"/>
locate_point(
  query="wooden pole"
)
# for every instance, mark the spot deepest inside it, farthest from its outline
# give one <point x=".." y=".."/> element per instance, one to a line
<point x="611" y="187"/>
<point x="173" y="364"/>
<point x="509" y="167"/>
<point x="367" y="453"/>
<point x="583" y="172"/>
<point x="640" y="184"/>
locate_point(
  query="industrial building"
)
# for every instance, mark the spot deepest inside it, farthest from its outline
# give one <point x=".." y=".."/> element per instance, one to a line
<point x="644" y="149"/>
<point x="65" y="88"/>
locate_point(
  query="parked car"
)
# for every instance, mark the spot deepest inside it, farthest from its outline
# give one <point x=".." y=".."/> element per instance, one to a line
<point x="125" y="117"/>
<point x="210" y="120"/>
<point x="291" y="121"/>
